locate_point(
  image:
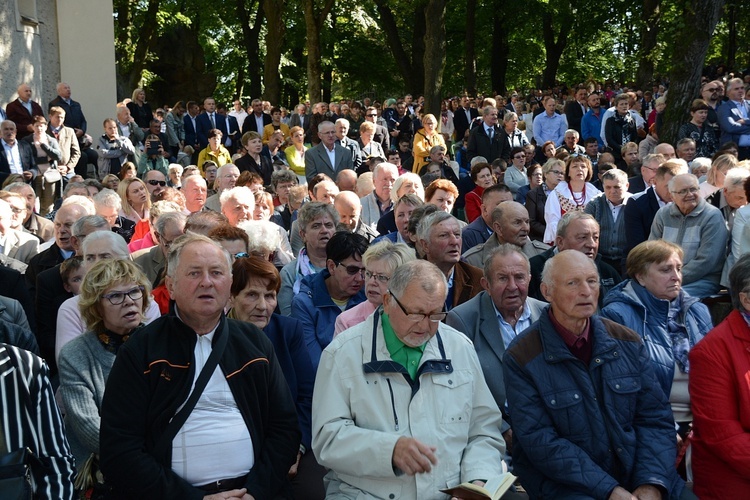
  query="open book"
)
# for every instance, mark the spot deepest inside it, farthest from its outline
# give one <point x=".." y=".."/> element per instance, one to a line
<point x="494" y="489"/>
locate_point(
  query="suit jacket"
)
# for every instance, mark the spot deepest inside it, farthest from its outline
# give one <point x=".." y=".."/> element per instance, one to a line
<point x="480" y="144"/>
<point x="73" y="113"/>
<point x="151" y="262"/>
<point x="317" y="161"/>
<point x="40" y="227"/>
<point x="466" y="282"/>
<point x="382" y="137"/>
<point x="295" y="121"/>
<point x="233" y="131"/>
<point x="13" y="286"/>
<point x="353" y="146"/>
<point x="475" y="234"/>
<point x="49" y="297"/>
<point x="71" y="150"/>
<point x="191" y="137"/>
<point x="574" y="113"/>
<point x="28" y="160"/>
<point x="477" y="320"/>
<point x="636" y="184"/>
<point x="729" y="115"/>
<point x="639" y="216"/>
<point x="12" y="311"/>
<point x="460" y="123"/>
<point x="21" y="246"/>
<point x="19" y="115"/>
<point x="535" y="201"/>
<point x="203" y="125"/>
<point x="251" y="126"/>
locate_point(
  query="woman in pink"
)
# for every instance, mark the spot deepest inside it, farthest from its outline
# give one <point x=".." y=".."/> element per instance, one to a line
<point x="380" y="261"/>
<point x="720" y="397"/>
<point x="481" y="174"/>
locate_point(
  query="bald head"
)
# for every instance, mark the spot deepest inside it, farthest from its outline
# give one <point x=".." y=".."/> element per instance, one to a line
<point x="24" y="92"/>
<point x="349" y="207"/>
<point x="665" y="150"/>
<point x="346" y="180"/>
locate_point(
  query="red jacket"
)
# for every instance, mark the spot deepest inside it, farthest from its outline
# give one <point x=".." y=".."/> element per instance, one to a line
<point x="720" y="398"/>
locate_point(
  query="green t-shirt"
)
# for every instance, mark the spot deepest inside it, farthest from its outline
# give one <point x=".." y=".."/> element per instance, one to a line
<point x="405" y="355"/>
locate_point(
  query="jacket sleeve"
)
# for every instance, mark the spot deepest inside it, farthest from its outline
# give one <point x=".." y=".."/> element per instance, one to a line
<point x="587" y="130"/>
<point x="82" y="409"/>
<point x="545" y="448"/>
<point x="728" y="121"/>
<point x="339" y="444"/>
<point x="305" y="380"/>
<point x="304" y="311"/>
<point x="52" y="149"/>
<point x="551" y="217"/>
<point x="609" y="133"/>
<point x="122" y="437"/>
<point x="657" y="228"/>
<point x="75" y="153"/>
<point x="713" y="243"/>
<point x="537" y="226"/>
<point x="714" y="403"/>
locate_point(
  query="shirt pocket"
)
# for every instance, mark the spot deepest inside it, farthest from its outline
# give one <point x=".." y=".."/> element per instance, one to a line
<point x="453" y="397"/>
<point x="567" y="411"/>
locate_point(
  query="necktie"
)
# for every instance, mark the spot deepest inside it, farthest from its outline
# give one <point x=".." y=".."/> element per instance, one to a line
<point x="490" y="133"/>
<point x="213" y="123"/>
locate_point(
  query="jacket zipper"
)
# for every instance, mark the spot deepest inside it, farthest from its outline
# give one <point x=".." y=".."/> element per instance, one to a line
<point x="393" y="404"/>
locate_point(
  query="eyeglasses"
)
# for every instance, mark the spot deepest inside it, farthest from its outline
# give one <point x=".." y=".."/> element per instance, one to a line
<point x="417" y="317"/>
<point x="380" y="277"/>
<point x="17" y="210"/>
<point x="712" y="90"/>
<point x="556" y="172"/>
<point x="241" y="255"/>
<point x="157" y="183"/>
<point x="519" y="157"/>
<point x="374" y="115"/>
<point x="683" y="192"/>
<point x="352" y="270"/>
<point x="117" y="298"/>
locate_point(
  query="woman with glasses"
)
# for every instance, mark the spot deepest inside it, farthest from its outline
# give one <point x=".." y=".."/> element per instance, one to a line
<point x="573" y="194"/>
<point x="515" y="175"/>
<point x="552" y="173"/>
<point x="369" y="148"/>
<point x="699" y="130"/>
<point x="114" y="298"/>
<point x="515" y="137"/>
<point x="380" y="261"/>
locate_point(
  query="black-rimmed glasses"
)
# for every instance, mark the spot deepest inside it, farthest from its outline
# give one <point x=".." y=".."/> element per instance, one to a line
<point x="417" y="317"/>
<point x="352" y="270"/>
<point x="117" y="298"/>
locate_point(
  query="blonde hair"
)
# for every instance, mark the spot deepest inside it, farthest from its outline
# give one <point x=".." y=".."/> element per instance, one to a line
<point x="122" y="190"/>
<point x="102" y="276"/>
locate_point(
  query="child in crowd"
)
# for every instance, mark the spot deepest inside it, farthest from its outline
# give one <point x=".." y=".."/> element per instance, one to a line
<point x="71" y="272"/>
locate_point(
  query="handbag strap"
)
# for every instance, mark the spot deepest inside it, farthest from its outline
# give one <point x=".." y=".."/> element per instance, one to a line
<point x="181" y="416"/>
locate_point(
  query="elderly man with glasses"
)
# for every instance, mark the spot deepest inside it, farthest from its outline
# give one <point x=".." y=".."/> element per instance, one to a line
<point x="699" y="229"/>
<point x="379" y="419"/>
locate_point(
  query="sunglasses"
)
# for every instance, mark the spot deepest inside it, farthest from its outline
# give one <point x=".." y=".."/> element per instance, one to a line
<point x="352" y="270"/>
<point x="157" y="183"/>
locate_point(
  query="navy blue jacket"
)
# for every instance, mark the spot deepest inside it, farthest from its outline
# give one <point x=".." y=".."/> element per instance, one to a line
<point x="580" y="431"/>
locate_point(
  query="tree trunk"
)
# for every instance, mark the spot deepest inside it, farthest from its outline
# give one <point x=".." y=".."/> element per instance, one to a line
<point x="470" y="61"/>
<point x="434" y="55"/>
<point x="387" y="23"/>
<point x="500" y="49"/>
<point x="649" y="33"/>
<point x="240" y="85"/>
<point x="314" y="20"/>
<point x="144" y="43"/>
<point x="690" y="47"/>
<point x="554" y="48"/>
<point x="732" y="35"/>
<point x="250" y="40"/>
<point x="275" y="31"/>
<point x="418" y="48"/>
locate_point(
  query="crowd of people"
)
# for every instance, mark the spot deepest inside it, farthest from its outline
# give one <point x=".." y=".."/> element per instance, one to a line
<point x="364" y="300"/>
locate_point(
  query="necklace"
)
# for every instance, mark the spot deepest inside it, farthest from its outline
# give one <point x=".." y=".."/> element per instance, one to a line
<point x="579" y="201"/>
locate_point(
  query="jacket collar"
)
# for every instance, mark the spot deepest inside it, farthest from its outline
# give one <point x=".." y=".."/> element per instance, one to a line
<point x="555" y="350"/>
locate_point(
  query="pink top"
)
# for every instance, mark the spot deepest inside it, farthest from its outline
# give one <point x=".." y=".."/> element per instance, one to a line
<point x="145" y="242"/>
<point x="354" y="316"/>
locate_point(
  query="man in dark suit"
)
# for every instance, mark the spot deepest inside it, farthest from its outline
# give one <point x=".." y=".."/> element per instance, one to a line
<point x="13" y="286"/>
<point x="640" y="212"/>
<point x="486" y="140"/>
<point x="22" y="154"/>
<point x="257" y="120"/>
<point x="318" y="159"/>
<point x="342" y="139"/>
<point x="506" y="286"/>
<point x="480" y="230"/>
<point x="575" y="109"/>
<point x="649" y="167"/>
<point x="733" y="113"/>
<point x="23" y="110"/>
<point x="233" y="133"/>
<point x="300" y="118"/>
<point x="463" y="117"/>
<point x="208" y="120"/>
<point x="74" y="117"/>
<point x="189" y="121"/>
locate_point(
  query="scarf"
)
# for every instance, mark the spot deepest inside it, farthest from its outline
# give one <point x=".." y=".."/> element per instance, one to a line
<point x="303" y="268"/>
<point x="679" y="335"/>
<point x="112" y="341"/>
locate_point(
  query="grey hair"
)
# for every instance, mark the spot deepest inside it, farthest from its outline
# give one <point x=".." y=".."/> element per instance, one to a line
<point x="324" y="124"/>
<point x="384" y="166"/>
<point x="314" y="209"/>
<point x="509" y="116"/>
<point x="477" y="159"/>
<point x="615" y="174"/>
<point x="424" y="229"/>
<point x="91" y="222"/>
<point x="653" y="157"/>
<point x="116" y="243"/>
<point x="175" y="251"/>
<point x="392" y="254"/>
<point x="170" y="218"/>
<point x="409" y="199"/>
<point x="82" y="201"/>
<point x="108" y="198"/>
<point x="735" y="178"/>
<point x="504" y="250"/>
<point x="488" y="109"/>
<point x="408" y="176"/>
<point x="672" y="181"/>
<point x="568" y="218"/>
<point x="237" y="193"/>
<point x="262" y="235"/>
<point x="739" y="281"/>
<point x="17" y="187"/>
<point x="574" y="132"/>
<point x="343" y="121"/>
<point x="424" y="273"/>
<point x="162" y="207"/>
<point x="283" y="176"/>
<point x="685" y="140"/>
<point x="175" y="167"/>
